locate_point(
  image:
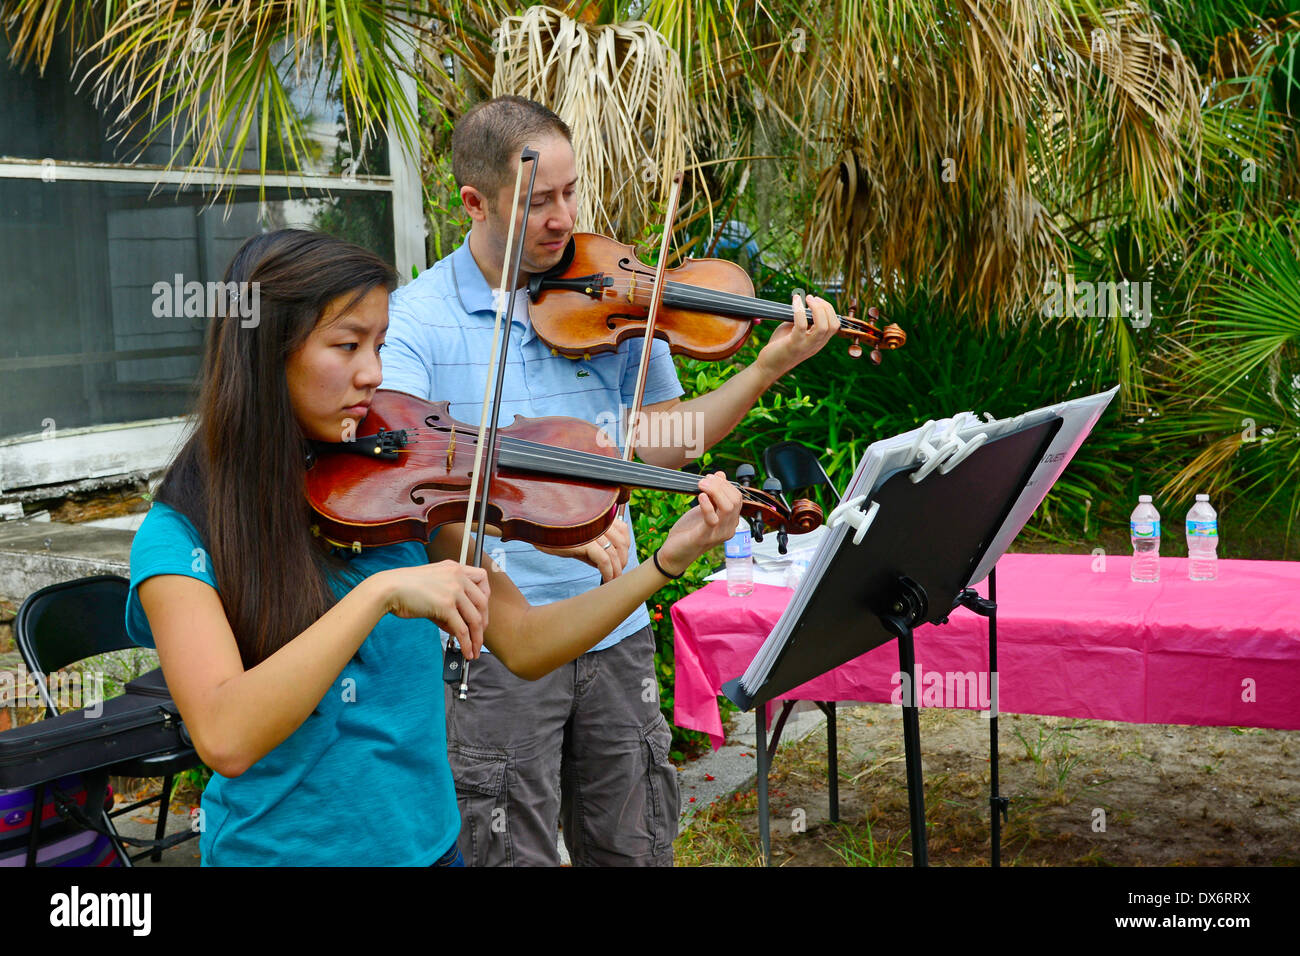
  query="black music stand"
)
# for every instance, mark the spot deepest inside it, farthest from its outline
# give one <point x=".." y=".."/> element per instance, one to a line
<point x="913" y="565"/>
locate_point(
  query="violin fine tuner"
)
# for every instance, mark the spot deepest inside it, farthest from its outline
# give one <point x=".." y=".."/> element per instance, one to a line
<point x="451" y="660"/>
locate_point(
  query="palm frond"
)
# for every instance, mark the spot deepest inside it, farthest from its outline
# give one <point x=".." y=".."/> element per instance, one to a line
<point x="620" y="89"/>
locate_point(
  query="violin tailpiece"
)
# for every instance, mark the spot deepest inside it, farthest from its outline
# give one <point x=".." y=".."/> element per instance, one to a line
<point x="384" y="444"/>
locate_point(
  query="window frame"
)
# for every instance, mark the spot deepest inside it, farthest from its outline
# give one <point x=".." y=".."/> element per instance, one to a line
<point x="95" y="452"/>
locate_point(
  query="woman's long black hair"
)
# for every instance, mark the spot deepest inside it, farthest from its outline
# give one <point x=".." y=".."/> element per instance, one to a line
<point x="240" y="477"/>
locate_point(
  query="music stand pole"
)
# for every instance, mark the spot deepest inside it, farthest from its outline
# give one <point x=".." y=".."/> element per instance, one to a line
<point x="907" y="612"/>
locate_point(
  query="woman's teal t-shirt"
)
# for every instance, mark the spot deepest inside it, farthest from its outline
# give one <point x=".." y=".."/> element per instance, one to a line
<point x="365" y="779"/>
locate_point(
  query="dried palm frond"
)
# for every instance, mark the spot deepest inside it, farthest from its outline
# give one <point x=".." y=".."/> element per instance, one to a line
<point x="31" y="26"/>
<point x="1240" y="52"/>
<point x="620" y="89"/>
<point x="944" y="135"/>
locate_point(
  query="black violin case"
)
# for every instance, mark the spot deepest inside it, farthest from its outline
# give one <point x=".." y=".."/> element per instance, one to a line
<point x="142" y="722"/>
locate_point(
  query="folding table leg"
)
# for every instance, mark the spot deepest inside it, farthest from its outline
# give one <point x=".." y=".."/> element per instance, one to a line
<point x="764" y="825"/>
<point x="832" y="760"/>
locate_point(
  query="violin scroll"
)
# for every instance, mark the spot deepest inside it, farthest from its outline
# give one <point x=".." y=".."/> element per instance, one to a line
<point x="805" y="516"/>
<point x="888" y="339"/>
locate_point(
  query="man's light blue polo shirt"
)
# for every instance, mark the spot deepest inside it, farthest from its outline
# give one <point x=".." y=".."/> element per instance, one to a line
<point x="439" y="347"/>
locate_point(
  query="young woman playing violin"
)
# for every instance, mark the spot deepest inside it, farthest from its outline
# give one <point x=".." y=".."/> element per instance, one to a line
<point x="299" y="669"/>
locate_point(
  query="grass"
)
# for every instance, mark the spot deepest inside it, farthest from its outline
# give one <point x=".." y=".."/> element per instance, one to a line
<point x="1060" y="775"/>
<point x="717" y="837"/>
<point x="1052" y="756"/>
<point x="859" y="846"/>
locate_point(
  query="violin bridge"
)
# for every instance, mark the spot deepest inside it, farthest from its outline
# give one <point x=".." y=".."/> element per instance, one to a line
<point x="451" y="450"/>
<point x="631" y="289"/>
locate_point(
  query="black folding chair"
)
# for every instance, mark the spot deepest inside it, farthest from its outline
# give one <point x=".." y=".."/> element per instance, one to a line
<point x="797" y="468"/>
<point x="74" y="620"/>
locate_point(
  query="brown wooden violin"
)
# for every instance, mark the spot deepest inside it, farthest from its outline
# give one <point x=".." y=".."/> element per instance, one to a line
<point x="557" y="482"/>
<point x="599" y="293"/>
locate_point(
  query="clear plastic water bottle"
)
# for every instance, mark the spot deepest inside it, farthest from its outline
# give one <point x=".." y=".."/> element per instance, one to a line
<point x="1144" y="532"/>
<point x="740" y="561"/>
<point x="1202" y="541"/>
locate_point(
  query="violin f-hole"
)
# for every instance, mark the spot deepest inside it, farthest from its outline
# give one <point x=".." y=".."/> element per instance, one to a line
<point x="451" y="482"/>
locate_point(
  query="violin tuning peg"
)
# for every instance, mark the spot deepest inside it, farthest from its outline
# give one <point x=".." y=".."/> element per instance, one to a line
<point x="875" y="356"/>
<point x="772" y="485"/>
<point x="782" y="541"/>
<point x="745" y="475"/>
<point x="873" y="312"/>
<point x="855" y="350"/>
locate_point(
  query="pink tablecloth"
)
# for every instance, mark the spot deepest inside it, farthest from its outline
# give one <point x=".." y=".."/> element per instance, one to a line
<point x="1072" y="641"/>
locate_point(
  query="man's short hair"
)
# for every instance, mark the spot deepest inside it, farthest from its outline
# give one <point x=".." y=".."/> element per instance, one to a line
<point x="487" y="140"/>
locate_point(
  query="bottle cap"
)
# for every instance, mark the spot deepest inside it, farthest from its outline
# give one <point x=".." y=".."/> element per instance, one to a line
<point x="1144" y="499"/>
<point x="1202" y="497"/>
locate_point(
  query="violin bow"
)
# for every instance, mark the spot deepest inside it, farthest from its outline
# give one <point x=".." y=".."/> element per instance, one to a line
<point x="487" y="429"/>
<point x="656" y="295"/>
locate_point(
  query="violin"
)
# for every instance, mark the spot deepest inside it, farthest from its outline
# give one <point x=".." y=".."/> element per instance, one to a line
<point x="599" y="293"/>
<point x="558" y="480"/>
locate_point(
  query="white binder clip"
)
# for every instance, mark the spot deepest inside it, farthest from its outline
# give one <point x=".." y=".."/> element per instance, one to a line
<point x="849" y="512"/>
<point x="922" y="450"/>
<point x="962" y="451"/>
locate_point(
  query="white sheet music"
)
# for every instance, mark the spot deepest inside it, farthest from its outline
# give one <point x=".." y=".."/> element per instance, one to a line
<point x="941" y="440"/>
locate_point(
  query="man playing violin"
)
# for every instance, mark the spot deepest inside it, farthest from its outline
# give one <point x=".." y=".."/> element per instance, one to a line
<point x="585" y="745"/>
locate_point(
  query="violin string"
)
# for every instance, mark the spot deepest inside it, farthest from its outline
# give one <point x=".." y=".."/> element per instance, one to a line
<point x="585" y="463"/>
<point x="615" y="471"/>
<point x="710" y="298"/>
<point x="541" y="457"/>
<point x="581" y="463"/>
<point x="667" y="480"/>
<point x="694" y="297"/>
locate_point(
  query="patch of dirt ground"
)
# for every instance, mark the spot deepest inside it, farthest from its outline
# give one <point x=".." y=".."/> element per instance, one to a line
<point x="1082" y="793"/>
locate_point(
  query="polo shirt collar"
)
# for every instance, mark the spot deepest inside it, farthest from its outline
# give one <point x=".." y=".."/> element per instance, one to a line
<point x="471" y="288"/>
<point x="476" y="295"/>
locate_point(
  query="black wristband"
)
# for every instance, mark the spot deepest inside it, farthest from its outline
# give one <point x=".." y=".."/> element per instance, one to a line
<point x="660" y="567"/>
